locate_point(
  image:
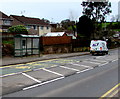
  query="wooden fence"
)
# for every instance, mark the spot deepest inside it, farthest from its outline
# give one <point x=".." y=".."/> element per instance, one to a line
<point x="56" y="40"/>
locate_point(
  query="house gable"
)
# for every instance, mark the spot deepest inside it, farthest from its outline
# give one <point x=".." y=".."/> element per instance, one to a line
<point x="5" y="23"/>
<point x="32" y="24"/>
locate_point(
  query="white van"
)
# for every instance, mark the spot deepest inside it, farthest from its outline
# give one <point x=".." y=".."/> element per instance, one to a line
<point x="98" y="46"/>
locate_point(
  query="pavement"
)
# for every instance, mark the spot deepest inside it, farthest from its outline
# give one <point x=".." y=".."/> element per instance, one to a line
<point x="18" y="60"/>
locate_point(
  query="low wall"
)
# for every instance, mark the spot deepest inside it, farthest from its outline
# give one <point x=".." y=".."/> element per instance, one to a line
<point x="61" y="48"/>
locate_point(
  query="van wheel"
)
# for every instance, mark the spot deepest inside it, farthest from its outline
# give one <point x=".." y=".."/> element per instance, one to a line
<point x="106" y="52"/>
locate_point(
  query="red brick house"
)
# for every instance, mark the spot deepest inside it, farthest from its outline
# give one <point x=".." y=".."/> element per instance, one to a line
<point x="5" y="23"/>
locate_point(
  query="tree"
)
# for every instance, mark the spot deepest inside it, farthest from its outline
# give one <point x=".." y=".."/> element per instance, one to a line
<point x="96" y="11"/>
<point x="46" y="20"/>
<point x="18" y="29"/>
<point x="67" y="23"/>
<point x="85" y="26"/>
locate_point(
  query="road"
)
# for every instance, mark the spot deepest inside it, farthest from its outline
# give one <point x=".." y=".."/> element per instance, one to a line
<point x="80" y="76"/>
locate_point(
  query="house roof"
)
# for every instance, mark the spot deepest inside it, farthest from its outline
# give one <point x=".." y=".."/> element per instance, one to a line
<point x="29" y="20"/>
<point x="55" y="34"/>
<point x="4" y="16"/>
<point x="27" y="36"/>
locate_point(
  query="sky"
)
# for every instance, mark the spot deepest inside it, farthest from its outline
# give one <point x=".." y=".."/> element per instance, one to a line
<point x="53" y="10"/>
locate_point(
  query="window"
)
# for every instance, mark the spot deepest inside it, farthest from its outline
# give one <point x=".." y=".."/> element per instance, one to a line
<point x="23" y="42"/>
<point x="5" y="30"/>
<point x="47" y="27"/>
<point x="35" y="27"/>
<point x="42" y="27"/>
<point x="96" y="44"/>
<point x="6" y="22"/>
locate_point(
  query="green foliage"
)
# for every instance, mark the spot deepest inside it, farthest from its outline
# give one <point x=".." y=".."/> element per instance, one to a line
<point x="67" y="23"/>
<point x="8" y="42"/>
<point x="85" y="26"/>
<point x="18" y="29"/>
<point x="96" y="10"/>
<point x="116" y="30"/>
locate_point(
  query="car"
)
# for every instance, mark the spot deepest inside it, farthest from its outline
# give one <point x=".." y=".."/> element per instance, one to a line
<point x="98" y="47"/>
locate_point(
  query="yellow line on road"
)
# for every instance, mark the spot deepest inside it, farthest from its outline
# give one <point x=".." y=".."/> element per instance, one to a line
<point x="106" y="94"/>
<point x="113" y="94"/>
<point x="27" y="63"/>
<point x="8" y="74"/>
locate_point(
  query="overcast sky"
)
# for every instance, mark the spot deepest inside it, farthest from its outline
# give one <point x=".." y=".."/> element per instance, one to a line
<point x="53" y="10"/>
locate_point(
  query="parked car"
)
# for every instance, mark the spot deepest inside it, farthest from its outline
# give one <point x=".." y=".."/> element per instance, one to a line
<point x="98" y="47"/>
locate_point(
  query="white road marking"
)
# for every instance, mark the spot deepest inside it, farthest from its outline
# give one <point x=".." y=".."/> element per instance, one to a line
<point x="103" y="64"/>
<point x="82" y="65"/>
<point x="99" y="60"/>
<point x="53" y="72"/>
<point x="46" y="67"/>
<point x="43" y="83"/>
<point x="100" y="56"/>
<point x="70" y="68"/>
<point x="91" y="62"/>
<point x="31" y="77"/>
<point x="61" y="75"/>
<point x="84" y="70"/>
<point x="115" y="60"/>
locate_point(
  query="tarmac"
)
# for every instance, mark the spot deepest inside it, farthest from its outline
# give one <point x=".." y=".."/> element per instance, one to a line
<point x="20" y="60"/>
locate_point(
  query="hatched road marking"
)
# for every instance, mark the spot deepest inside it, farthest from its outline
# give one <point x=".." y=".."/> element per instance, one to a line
<point x="19" y="68"/>
<point x="97" y="60"/>
<point x="91" y="62"/>
<point x="53" y="72"/>
<point x="84" y="70"/>
<point x="43" y="83"/>
<point x="70" y="68"/>
<point x="31" y="77"/>
<point x="81" y="65"/>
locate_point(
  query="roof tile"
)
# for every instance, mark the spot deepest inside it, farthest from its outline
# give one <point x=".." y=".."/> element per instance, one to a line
<point x="29" y="20"/>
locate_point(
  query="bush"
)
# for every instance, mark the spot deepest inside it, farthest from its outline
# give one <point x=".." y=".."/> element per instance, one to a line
<point x="8" y="42"/>
<point x="7" y="50"/>
<point x="18" y="29"/>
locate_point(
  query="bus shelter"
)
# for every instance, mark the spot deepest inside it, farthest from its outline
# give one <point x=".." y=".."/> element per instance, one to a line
<point x="25" y="45"/>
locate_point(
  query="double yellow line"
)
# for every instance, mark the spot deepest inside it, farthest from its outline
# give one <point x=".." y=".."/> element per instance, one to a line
<point x="27" y="63"/>
<point x="112" y="92"/>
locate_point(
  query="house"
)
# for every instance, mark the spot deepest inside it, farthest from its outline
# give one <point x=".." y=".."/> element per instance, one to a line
<point x="5" y="23"/>
<point x="35" y="26"/>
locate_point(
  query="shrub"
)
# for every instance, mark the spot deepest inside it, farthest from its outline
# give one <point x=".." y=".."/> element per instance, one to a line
<point x="7" y="50"/>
